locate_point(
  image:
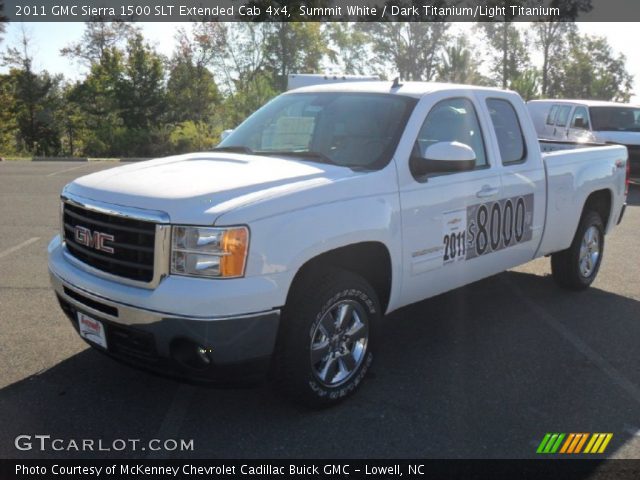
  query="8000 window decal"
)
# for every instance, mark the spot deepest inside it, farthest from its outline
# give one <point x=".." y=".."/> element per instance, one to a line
<point x="487" y="227"/>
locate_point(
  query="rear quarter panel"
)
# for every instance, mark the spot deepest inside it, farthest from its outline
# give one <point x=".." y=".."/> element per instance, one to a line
<point x="571" y="177"/>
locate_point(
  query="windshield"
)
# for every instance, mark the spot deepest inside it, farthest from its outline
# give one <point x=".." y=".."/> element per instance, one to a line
<point x="357" y="130"/>
<point x="618" y="119"/>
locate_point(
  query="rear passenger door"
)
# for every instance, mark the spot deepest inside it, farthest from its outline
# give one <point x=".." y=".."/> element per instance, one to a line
<point x="516" y="221"/>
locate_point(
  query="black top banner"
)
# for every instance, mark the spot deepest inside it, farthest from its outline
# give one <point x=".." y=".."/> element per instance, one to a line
<point x="320" y="10"/>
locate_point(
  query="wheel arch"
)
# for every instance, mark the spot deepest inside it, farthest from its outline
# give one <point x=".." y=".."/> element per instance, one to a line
<point x="369" y="259"/>
<point x="601" y="202"/>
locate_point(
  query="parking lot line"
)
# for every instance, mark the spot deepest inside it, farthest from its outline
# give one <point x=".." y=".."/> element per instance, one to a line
<point x="67" y="170"/>
<point x="26" y="243"/>
<point x="613" y="373"/>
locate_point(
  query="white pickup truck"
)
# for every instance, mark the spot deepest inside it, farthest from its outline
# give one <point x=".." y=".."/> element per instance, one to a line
<point x="331" y="206"/>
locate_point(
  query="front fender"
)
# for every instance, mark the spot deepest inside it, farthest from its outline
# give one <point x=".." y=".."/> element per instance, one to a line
<point x="284" y="243"/>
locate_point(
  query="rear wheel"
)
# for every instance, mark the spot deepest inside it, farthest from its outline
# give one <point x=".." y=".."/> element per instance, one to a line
<point x="577" y="267"/>
<point x="325" y="346"/>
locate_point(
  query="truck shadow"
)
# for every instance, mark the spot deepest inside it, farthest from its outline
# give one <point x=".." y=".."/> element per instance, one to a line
<point x="633" y="198"/>
<point x="474" y="373"/>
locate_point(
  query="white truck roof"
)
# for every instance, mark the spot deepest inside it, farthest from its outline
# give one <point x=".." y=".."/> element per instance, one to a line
<point x="299" y="80"/>
<point x="411" y="89"/>
<point x="586" y="103"/>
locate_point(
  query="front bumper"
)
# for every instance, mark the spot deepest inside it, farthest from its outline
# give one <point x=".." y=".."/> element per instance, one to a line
<point x="234" y="345"/>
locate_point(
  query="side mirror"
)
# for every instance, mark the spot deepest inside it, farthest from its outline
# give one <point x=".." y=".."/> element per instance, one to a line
<point x="445" y="157"/>
<point x="225" y="134"/>
<point x="580" y="123"/>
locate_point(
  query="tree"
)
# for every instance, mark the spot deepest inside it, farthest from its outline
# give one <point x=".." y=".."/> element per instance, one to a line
<point x="98" y="39"/>
<point x="34" y="100"/>
<point x="97" y="98"/>
<point x="140" y="89"/>
<point x="527" y="84"/>
<point x="294" y="47"/>
<point x="8" y="126"/>
<point x="592" y="70"/>
<point x="508" y="54"/>
<point x="552" y="39"/>
<point x="552" y="36"/>
<point x="3" y="19"/>
<point x="412" y="49"/>
<point x="458" y="64"/>
<point x="348" y="48"/>
<point x="192" y="93"/>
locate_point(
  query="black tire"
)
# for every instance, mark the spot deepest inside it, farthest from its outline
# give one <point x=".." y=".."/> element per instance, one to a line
<point x="316" y="300"/>
<point x="566" y="266"/>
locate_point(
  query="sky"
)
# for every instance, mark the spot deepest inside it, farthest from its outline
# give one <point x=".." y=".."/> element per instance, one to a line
<point x="49" y="38"/>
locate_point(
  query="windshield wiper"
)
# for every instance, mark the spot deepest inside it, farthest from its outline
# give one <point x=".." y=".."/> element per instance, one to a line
<point x="234" y="148"/>
<point x="310" y="154"/>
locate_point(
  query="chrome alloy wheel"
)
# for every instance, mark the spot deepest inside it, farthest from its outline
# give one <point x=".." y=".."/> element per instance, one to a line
<point x="589" y="251"/>
<point x="339" y="343"/>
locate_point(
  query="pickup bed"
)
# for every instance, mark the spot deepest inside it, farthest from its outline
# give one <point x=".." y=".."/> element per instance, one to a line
<point x="331" y="206"/>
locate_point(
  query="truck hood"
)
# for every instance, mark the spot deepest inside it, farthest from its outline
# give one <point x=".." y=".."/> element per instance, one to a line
<point x="623" y="138"/>
<point x="197" y="188"/>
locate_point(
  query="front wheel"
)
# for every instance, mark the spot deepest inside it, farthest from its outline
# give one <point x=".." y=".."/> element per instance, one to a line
<point x="325" y="346"/>
<point x="577" y="267"/>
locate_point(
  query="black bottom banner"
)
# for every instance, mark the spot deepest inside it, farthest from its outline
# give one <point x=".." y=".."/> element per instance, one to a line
<point x="352" y="469"/>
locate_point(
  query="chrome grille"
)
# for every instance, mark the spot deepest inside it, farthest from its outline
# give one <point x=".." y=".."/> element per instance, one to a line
<point x="133" y="242"/>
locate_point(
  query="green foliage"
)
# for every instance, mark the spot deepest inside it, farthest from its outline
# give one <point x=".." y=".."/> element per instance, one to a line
<point x="140" y="89"/>
<point x="192" y="136"/>
<point x="3" y="19"/>
<point x="192" y="93"/>
<point x="253" y="91"/>
<point x="294" y="47"/>
<point x="509" y="52"/>
<point x="348" y="48"/>
<point x="527" y="84"/>
<point x="458" y="64"/>
<point x="552" y="40"/>
<point x="592" y="70"/>
<point x="412" y="49"/>
<point x="98" y="39"/>
<point x="133" y="102"/>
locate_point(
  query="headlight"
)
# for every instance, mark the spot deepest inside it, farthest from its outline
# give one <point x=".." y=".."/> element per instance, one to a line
<point x="209" y="252"/>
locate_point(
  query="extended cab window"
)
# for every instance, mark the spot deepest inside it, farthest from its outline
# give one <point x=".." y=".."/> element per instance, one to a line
<point x="451" y="120"/>
<point x="580" y="119"/>
<point x="552" y="115"/>
<point x="563" y="116"/>
<point x="508" y="131"/>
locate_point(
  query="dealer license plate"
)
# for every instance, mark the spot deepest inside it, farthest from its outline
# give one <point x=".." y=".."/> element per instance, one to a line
<point x="92" y="330"/>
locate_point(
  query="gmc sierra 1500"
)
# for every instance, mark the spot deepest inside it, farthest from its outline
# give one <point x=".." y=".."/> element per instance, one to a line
<point x="329" y="207"/>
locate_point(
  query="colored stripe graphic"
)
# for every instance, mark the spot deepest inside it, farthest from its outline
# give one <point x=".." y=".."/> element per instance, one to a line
<point x="552" y="442"/>
<point x="567" y="443"/>
<point x="598" y="443"/>
<point x="581" y="443"/>
<point x="543" y="443"/>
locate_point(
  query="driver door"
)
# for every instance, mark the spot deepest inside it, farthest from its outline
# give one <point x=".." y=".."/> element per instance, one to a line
<point x="436" y="255"/>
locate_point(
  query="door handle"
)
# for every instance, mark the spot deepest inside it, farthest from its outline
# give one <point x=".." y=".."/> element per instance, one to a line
<point x="487" y="191"/>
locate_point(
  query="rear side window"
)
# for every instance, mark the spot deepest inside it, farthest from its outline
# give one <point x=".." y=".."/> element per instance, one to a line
<point x="551" y="118"/>
<point x="563" y="116"/>
<point x="508" y="130"/>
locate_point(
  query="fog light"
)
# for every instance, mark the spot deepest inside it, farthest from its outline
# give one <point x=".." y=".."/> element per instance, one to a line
<point x="202" y="353"/>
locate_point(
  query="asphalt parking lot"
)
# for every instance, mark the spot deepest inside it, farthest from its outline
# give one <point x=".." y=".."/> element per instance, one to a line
<point x="480" y="372"/>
